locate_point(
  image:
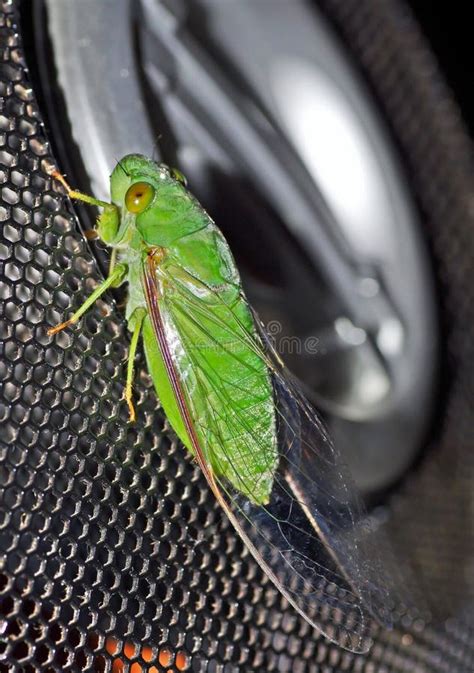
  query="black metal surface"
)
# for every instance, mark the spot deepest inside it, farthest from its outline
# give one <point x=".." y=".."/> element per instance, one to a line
<point x="110" y="539"/>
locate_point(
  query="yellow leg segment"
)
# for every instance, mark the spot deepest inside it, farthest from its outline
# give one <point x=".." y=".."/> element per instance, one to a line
<point x="108" y="221"/>
<point x="117" y="274"/>
<point x="139" y="315"/>
<point x="79" y="196"/>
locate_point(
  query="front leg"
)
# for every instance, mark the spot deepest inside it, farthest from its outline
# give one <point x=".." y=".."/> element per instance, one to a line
<point x="108" y="222"/>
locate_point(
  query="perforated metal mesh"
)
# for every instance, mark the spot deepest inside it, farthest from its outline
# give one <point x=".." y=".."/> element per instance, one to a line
<point x="114" y="553"/>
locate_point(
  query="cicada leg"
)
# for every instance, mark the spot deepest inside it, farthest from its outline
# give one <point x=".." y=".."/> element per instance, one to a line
<point x="108" y="222"/>
<point x="137" y="321"/>
<point x="113" y="279"/>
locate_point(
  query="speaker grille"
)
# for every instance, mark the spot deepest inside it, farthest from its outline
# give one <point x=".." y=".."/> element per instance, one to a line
<point x="114" y="554"/>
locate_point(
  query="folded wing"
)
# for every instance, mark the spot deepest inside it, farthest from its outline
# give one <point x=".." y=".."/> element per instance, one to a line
<point x="273" y="468"/>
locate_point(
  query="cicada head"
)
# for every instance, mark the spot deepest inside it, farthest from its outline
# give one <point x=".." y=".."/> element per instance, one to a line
<point x="154" y="203"/>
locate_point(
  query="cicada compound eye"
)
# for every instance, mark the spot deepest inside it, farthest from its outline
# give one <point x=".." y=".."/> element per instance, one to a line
<point x="139" y="196"/>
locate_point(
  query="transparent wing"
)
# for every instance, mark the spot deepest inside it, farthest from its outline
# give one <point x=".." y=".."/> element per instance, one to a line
<point x="312" y="538"/>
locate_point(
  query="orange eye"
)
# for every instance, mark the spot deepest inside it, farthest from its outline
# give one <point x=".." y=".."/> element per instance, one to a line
<point x="139" y="196"/>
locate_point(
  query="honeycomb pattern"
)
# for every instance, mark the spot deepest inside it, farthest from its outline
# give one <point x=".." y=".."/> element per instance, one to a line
<point x="114" y="555"/>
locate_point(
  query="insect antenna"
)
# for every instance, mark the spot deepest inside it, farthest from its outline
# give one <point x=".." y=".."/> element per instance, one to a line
<point x="155" y="154"/>
<point x="122" y="167"/>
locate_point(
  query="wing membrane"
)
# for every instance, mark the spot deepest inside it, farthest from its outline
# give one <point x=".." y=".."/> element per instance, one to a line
<point x="311" y="537"/>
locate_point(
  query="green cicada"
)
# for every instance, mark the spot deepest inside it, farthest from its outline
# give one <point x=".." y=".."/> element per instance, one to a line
<point x="259" y="443"/>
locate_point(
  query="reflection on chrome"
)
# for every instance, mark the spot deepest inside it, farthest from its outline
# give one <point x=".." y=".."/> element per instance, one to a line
<point x="320" y="119"/>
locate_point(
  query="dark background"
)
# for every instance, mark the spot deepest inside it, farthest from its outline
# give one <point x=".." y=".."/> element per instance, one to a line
<point x="448" y="26"/>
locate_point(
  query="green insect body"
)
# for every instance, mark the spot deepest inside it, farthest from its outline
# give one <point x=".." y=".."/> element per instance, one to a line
<point x="175" y="222"/>
<point x="174" y="225"/>
<point x="260" y="445"/>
